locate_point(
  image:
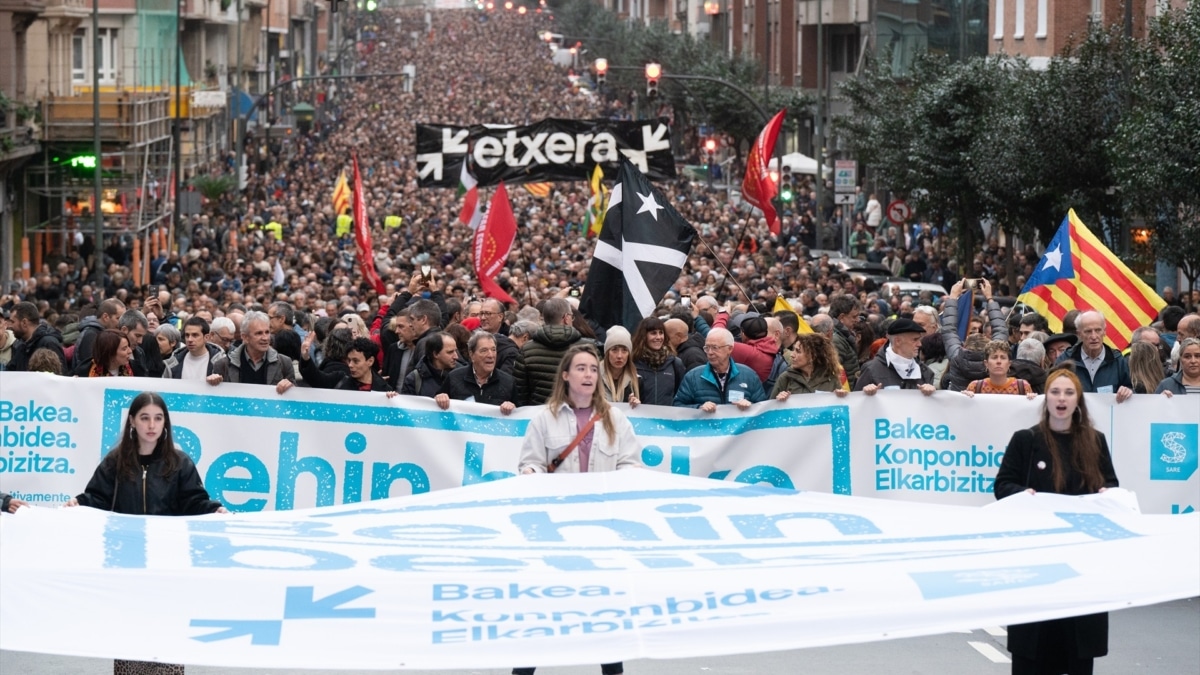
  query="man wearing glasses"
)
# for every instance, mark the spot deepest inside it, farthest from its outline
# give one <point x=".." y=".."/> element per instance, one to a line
<point x="720" y="381"/>
<point x="491" y="319"/>
<point x="222" y="333"/>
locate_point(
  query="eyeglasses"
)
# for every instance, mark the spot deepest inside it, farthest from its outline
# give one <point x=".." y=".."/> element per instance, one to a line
<point x="489" y="314"/>
<point x="714" y="348"/>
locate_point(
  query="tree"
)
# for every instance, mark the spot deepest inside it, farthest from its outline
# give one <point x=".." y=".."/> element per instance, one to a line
<point x="1155" y="148"/>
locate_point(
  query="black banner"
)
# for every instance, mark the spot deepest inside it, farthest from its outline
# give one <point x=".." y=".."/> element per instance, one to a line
<point x="549" y="150"/>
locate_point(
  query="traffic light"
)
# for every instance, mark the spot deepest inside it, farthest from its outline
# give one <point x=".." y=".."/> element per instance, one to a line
<point x="601" y="72"/>
<point x="710" y="149"/>
<point x="653" y="73"/>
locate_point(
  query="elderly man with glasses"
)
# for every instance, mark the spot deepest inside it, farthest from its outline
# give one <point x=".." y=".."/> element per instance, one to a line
<point x="720" y="381"/>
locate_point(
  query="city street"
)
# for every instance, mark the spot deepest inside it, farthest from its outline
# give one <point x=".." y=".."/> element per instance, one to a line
<point x="1157" y="640"/>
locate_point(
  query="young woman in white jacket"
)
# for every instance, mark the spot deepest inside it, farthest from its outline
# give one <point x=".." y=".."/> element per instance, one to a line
<point x="577" y="398"/>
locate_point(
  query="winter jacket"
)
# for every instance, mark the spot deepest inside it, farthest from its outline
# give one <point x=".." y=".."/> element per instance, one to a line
<point x="537" y="364"/>
<point x="6" y="351"/>
<point x="1031" y="372"/>
<point x="879" y="372"/>
<point x="507" y="352"/>
<point x="396" y="361"/>
<point x="758" y="354"/>
<point x="279" y="367"/>
<point x="700" y="386"/>
<point x="659" y="385"/>
<point x="424" y="380"/>
<point x="460" y="384"/>
<point x="795" y="381"/>
<point x="348" y="383"/>
<point x="965" y="367"/>
<point x="1173" y="384"/>
<point x="178" y="494"/>
<point x="44" y="337"/>
<point x="551" y="431"/>
<point x="89" y="328"/>
<point x="691" y="351"/>
<point x="950" y="337"/>
<point x="173" y="366"/>
<point x="847" y="350"/>
<point x="326" y="376"/>
<point x="1112" y="374"/>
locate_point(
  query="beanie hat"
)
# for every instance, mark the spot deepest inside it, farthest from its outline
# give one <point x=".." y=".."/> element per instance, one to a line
<point x="617" y="336"/>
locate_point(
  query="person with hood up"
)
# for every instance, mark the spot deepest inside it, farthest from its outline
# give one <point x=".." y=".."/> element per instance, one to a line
<point x="537" y="364"/>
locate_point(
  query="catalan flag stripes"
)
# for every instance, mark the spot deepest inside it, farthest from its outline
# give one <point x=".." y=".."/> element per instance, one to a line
<point x="341" y="195"/>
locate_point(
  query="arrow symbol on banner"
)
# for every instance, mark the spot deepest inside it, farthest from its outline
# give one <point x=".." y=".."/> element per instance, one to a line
<point x="656" y="138"/>
<point x="261" y="632"/>
<point x="637" y="157"/>
<point x="431" y="163"/>
<point x="454" y="142"/>
<point x="301" y="604"/>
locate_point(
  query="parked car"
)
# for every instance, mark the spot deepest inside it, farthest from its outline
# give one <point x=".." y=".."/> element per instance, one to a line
<point x="860" y="271"/>
<point x="913" y="289"/>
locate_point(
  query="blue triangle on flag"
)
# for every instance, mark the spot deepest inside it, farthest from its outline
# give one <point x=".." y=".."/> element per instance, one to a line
<point x="1056" y="262"/>
<point x="953" y="583"/>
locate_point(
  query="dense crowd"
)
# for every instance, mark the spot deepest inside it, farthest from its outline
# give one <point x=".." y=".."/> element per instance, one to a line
<point x="263" y="275"/>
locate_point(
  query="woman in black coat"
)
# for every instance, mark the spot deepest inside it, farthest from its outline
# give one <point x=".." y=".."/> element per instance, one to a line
<point x="146" y="474"/>
<point x="1063" y="454"/>
<point x="659" y="370"/>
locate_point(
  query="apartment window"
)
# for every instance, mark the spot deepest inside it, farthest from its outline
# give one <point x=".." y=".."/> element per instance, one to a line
<point x="1019" y="28"/>
<point x="843" y="52"/>
<point x="78" y="56"/>
<point x="999" y="34"/>
<point x="1041" y="18"/>
<point x="109" y="55"/>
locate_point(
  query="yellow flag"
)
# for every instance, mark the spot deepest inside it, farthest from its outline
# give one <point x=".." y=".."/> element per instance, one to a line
<point x="597" y="204"/>
<point x="782" y="305"/>
<point x="341" y="195"/>
<point x="538" y="189"/>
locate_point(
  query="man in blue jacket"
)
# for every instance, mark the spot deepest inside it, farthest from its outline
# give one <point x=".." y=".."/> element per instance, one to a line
<point x="720" y="381"/>
<point x="1100" y="368"/>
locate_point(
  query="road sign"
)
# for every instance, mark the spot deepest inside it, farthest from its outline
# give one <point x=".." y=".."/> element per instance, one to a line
<point x="843" y="198"/>
<point x="845" y="176"/>
<point x="899" y="212"/>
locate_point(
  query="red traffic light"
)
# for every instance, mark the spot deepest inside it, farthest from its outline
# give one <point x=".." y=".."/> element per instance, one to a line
<point x="653" y="71"/>
<point x="710" y="145"/>
<point x="601" y="66"/>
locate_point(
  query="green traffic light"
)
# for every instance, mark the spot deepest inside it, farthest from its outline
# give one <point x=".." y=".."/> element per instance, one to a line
<point x="83" y="162"/>
<point x="785" y="195"/>
<point x="372" y="5"/>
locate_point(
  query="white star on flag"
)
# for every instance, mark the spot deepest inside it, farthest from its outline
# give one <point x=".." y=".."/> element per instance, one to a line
<point x="1054" y="259"/>
<point x="649" y="204"/>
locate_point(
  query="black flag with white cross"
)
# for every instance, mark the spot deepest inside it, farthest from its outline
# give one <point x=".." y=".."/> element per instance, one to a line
<point x="642" y="247"/>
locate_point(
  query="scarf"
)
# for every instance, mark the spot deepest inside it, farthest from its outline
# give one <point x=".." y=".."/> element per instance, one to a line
<point x="907" y="368"/>
<point x="99" y="371"/>
<point x="656" y="358"/>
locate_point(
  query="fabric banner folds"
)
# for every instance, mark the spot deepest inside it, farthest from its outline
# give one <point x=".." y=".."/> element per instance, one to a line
<point x="549" y="150"/>
<point x="362" y="235"/>
<point x="492" y="244"/>
<point x="573" y="569"/>
<point x="757" y="187"/>
<point x="641" y="249"/>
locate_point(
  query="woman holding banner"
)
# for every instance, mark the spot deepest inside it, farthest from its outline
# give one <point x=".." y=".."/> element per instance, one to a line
<point x="814" y="368"/>
<point x="565" y="435"/>
<point x="1063" y="454"/>
<point x="1187" y="379"/>
<point x="147" y="474"/>
<point x="111" y="356"/>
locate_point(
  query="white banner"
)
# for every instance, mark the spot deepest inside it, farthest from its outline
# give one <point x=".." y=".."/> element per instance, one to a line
<point x="259" y="451"/>
<point x="570" y="569"/>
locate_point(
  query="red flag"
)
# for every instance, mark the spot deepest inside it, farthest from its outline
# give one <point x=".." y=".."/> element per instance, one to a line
<point x="492" y="244"/>
<point x="362" y="234"/>
<point x="757" y="186"/>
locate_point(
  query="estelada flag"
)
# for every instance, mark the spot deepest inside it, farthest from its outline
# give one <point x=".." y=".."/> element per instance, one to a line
<point x="341" y="195"/>
<point x="492" y="243"/>
<point x="757" y="187"/>
<point x="1079" y="272"/>
<point x="362" y="235"/>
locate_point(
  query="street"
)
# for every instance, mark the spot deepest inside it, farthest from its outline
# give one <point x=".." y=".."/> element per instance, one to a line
<point x="1157" y="640"/>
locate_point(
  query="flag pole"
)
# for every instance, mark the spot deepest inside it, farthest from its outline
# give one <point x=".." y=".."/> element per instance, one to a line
<point x="728" y="273"/>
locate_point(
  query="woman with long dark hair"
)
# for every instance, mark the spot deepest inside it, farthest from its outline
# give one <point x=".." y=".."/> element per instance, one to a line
<point x="658" y="368"/>
<point x="147" y="474"/>
<point x="1063" y="454"/>
<point x="814" y="368"/>
<point x="111" y="355"/>
<point x="602" y="438"/>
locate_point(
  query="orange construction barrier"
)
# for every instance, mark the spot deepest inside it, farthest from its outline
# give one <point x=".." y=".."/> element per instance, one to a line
<point x="37" y="253"/>
<point x="25" y="257"/>
<point x="137" y="262"/>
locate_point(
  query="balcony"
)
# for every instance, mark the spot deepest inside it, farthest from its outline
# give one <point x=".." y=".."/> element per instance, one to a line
<point x="128" y="118"/>
<point x="18" y="138"/>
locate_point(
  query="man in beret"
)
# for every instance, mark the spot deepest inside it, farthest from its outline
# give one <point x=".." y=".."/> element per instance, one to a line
<point x="896" y="366"/>
<point x="1057" y="344"/>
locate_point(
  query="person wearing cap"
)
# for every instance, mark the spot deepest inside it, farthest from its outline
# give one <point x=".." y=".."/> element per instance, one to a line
<point x="618" y="375"/>
<point x="896" y="366"/>
<point x="720" y="381"/>
<point x="1055" y="345"/>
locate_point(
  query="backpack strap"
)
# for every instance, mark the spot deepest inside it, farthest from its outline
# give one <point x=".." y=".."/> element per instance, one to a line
<point x="978" y="386"/>
<point x="1020" y="386"/>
